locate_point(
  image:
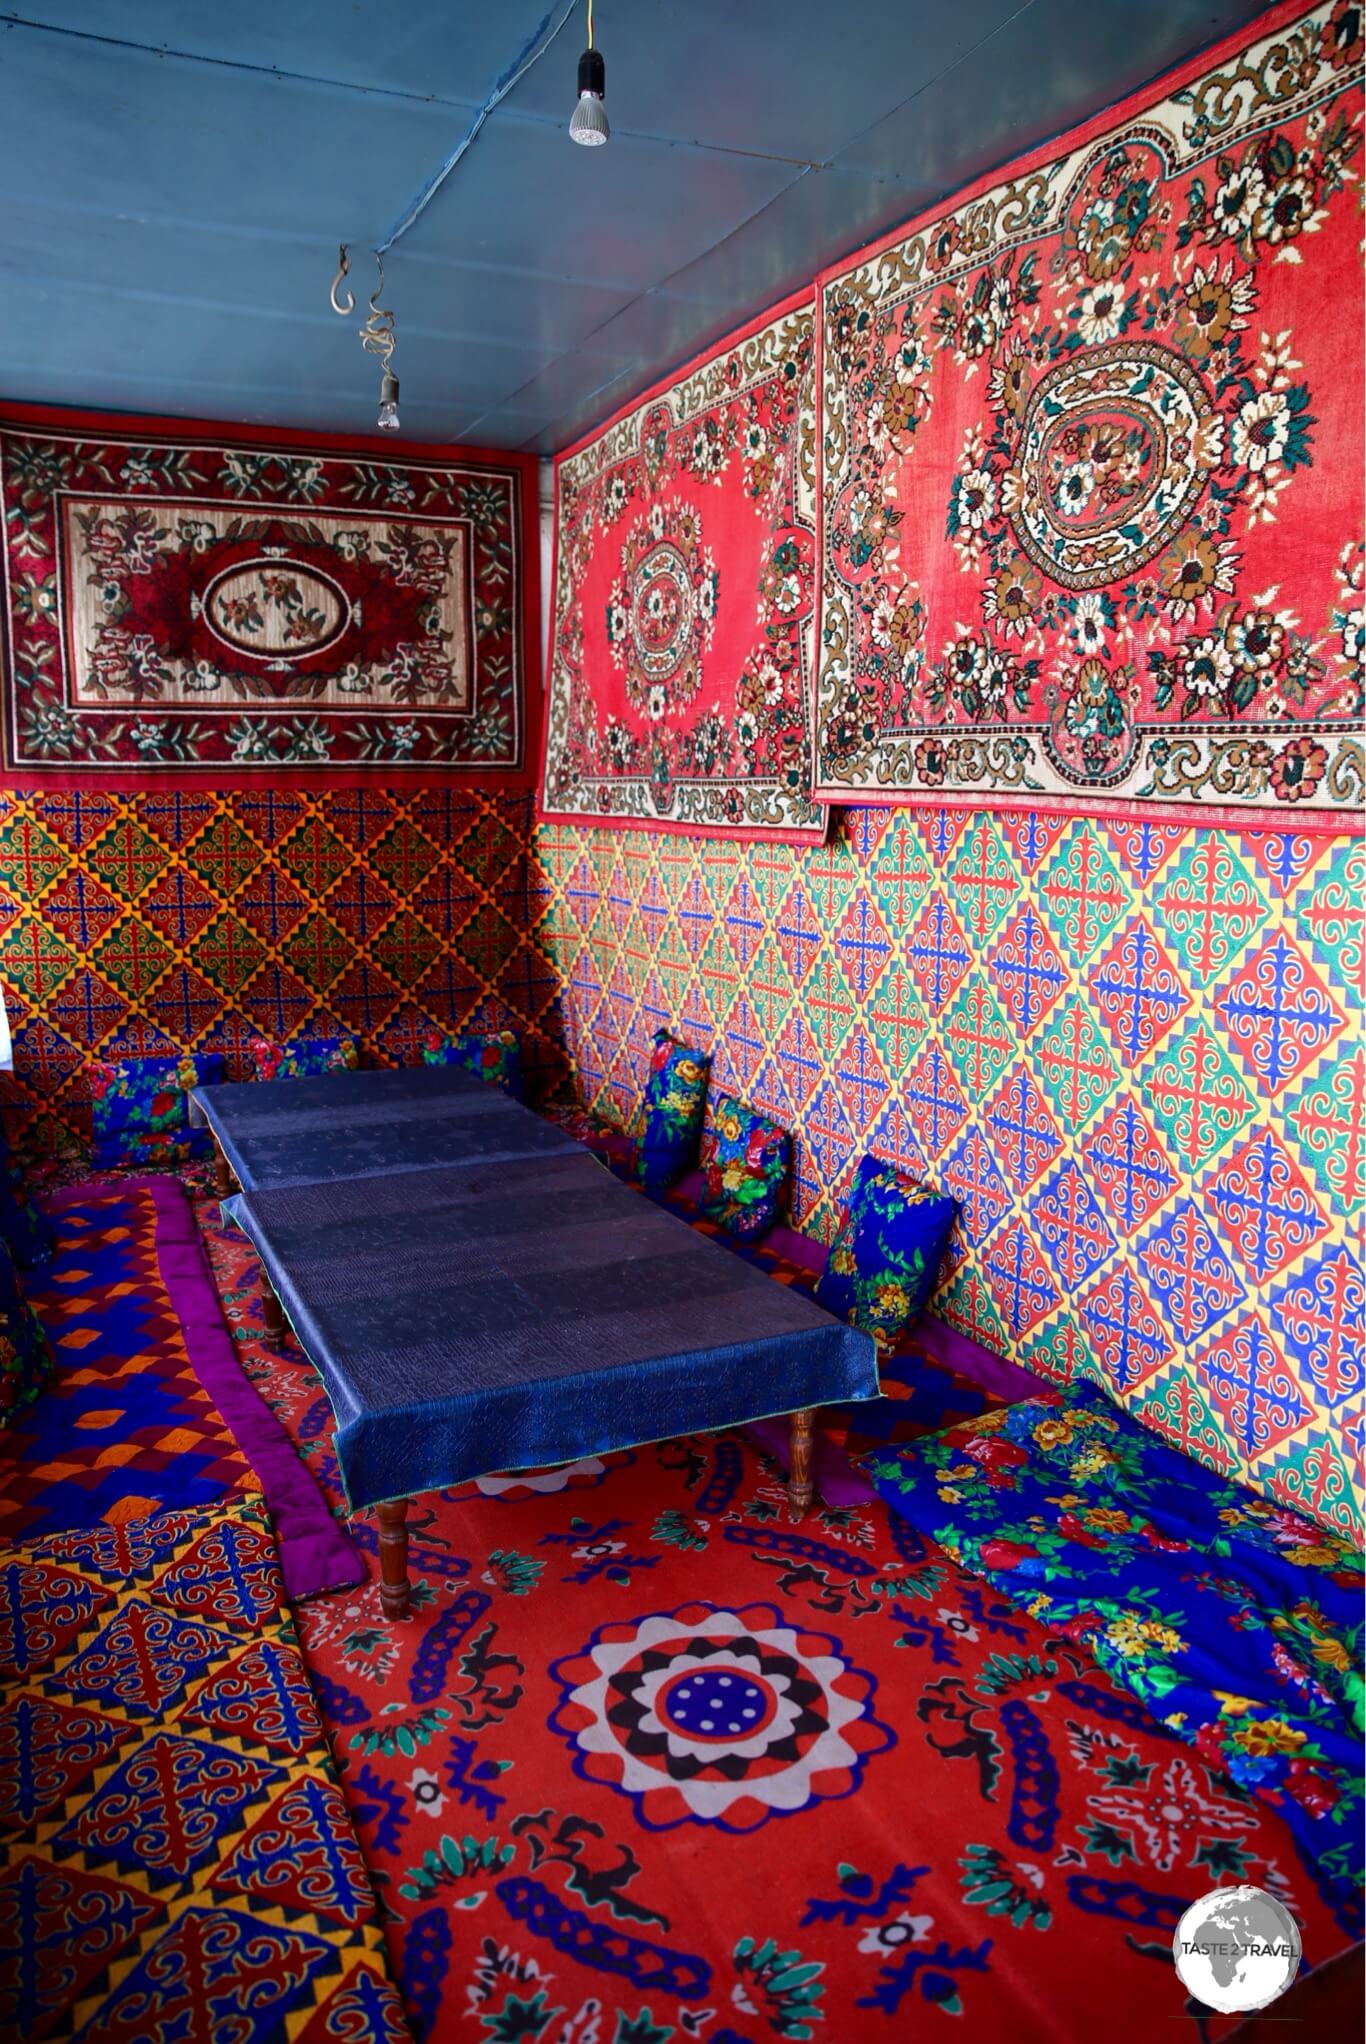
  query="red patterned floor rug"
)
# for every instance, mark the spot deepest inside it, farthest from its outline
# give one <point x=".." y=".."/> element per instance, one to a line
<point x="649" y="1763"/>
<point x="177" y="1865"/>
<point x="148" y="1408"/>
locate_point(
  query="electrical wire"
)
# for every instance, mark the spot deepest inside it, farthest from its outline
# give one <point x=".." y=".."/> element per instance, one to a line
<point x="535" y="48"/>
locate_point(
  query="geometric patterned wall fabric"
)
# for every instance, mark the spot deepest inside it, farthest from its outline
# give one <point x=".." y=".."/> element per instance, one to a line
<point x="683" y="631"/>
<point x="176" y="1857"/>
<point x="135" y="924"/>
<point x="1093" y="480"/>
<point x="185" y="607"/>
<point x="1131" y="1051"/>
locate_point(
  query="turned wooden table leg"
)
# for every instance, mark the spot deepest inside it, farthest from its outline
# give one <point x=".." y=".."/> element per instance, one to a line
<point x="272" y="1315"/>
<point x="801" y="1440"/>
<point x="223" y="1181"/>
<point x="393" y="1558"/>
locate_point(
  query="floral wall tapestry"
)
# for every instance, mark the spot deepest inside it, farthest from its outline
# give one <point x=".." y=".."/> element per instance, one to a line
<point x="1128" y="1049"/>
<point x="184" y="606"/>
<point x="1092" y="462"/>
<point x="682" y="626"/>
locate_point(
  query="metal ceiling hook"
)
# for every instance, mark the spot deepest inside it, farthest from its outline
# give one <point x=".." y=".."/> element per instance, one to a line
<point x="347" y="306"/>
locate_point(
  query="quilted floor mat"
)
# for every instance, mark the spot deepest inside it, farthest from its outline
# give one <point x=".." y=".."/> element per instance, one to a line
<point x="148" y="1408"/>
<point x="177" y="1865"/>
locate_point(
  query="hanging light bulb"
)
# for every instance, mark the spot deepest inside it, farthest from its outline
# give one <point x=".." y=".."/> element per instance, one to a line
<point x="388" y="402"/>
<point x="588" y="122"/>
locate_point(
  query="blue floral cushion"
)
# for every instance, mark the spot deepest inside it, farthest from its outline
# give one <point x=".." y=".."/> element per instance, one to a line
<point x="28" y="1232"/>
<point x="25" y="1358"/>
<point x="306" y="1057"/>
<point x="496" y="1058"/>
<point x="671" y="1112"/>
<point x="884" y="1261"/>
<point x="745" y="1162"/>
<point x="140" y="1111"/>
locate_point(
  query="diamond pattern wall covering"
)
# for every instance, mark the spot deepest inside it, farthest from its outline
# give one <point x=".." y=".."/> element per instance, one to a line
<point x="131" y="924"/>
<point x="1132" y="1052"/>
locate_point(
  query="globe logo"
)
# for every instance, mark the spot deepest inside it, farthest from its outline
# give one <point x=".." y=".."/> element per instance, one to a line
<point x="1237" y="1949"/>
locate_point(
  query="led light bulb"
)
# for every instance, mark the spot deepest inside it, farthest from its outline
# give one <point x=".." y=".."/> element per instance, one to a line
<point x="388" y="402"/>
<point x="588" y="122"/>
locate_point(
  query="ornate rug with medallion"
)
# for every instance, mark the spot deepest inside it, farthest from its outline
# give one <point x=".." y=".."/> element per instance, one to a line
<point x="649" y="1763"/>
<point x="682" y="634"/>
<point x="177" y="1865"/>
<point x="181" y="606"/>
<point x="1092" y="501"/>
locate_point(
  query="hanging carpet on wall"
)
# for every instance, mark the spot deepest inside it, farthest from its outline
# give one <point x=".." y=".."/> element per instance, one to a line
<point x="1092" y="488"/>
<point x="682" y="629"/>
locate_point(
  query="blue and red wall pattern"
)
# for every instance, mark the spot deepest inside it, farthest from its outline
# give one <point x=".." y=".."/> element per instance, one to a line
<point x="1132" y="1052"/>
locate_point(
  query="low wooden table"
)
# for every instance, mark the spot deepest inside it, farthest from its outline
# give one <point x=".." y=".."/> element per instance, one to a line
<point x="526" y="1312"/>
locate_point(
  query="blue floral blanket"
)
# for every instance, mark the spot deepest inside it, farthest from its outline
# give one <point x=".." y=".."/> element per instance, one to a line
<point x="1236" y="1622"/>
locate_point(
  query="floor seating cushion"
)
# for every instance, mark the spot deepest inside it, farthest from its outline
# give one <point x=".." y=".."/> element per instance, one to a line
<point x="746" y="1159"/>
<point x="24" y="1227"/>
<point x="1236" y="1622"/>
<point x="140" y="1110"/>
<point x="671" y="1112"/>
<point x="885" y="1257"/>
<point x="176" y="1854"/>
<point x="304" y="1057"/>
<point x="25" y="1357"/>
<point x="495" y="1057"/>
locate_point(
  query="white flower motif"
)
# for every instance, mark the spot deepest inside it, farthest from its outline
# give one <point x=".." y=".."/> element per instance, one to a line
<point x="1206" y="667"/>
<point x="954" y="1622"/>
<point x="884" y="1939"/>
<point x="1088" y="625"/>
<point x="1261" y="430"/>
<point x="1075" y="486"/>
<point x="426" y="1791"/>
<point x="1237" y="200"/>
<point x="975" y="498"/>
<point x="656" y="702"/>
<point x="1101" y="313"/>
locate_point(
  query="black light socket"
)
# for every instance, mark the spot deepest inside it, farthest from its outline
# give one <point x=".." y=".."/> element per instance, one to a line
<point x="592" y="74"/>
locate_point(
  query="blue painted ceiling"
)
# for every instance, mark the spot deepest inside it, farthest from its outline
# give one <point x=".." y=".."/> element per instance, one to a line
<point x="175" y="176"/>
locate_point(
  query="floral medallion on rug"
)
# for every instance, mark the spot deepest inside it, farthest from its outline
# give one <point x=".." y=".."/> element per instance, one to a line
<point x="682" y="631"/>
<point x="649" y="1763"/>
<point x="184" y="604"/>
<point x="1092" y="462"/>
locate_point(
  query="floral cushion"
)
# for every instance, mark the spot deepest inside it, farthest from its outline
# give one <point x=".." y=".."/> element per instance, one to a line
<point x="140" y="1112"/>
<point x="25" y="1358"/>
<point x="28" y="1232"/>
<point x="885" y="1258"/>
<point x="745" y="1162"/>
<point x="495" y="1058"/>
<point x="1235" y="1621"/>
<point x="671" y="1112"/>
<point x="306" y="1057"/>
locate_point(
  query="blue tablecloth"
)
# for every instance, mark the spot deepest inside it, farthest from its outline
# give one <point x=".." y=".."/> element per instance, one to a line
<point x="364" y="1124"/>
<point x="487" y="1318"/>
